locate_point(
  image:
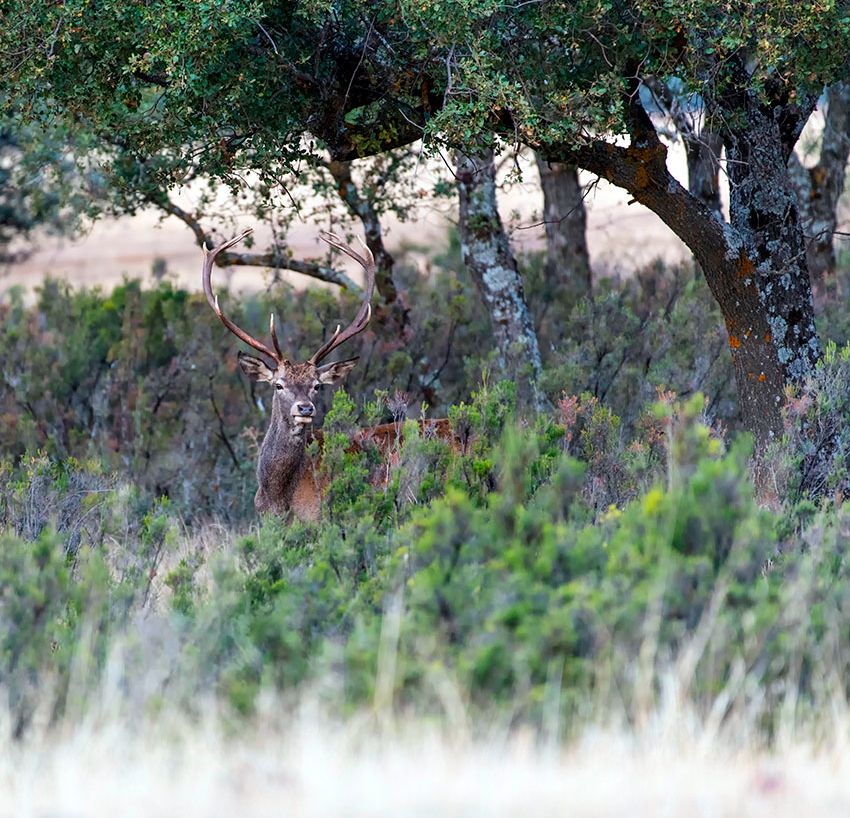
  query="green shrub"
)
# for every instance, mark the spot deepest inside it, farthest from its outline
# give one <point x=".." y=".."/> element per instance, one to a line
<point x="813" y="459"/>
<point x="56" y="619"/>
<point x="599" y="547"/>
<point x="145" y="381"/>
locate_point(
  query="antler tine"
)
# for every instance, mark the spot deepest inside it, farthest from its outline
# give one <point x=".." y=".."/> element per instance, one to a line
<point x="364" y="314"/>
<point x="335" y="241"/>
<point x="273" y="333"/>
<point x="209" y="260"/>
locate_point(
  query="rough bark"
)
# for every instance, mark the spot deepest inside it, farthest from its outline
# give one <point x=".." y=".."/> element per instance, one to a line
<point x="755" y="267"/>
<point x="567" y="258"/>
<point x="703" y="153"/>
<point x="819" y="188"/>
<point x="487" y="255"/>
<point x="764" y="214"/>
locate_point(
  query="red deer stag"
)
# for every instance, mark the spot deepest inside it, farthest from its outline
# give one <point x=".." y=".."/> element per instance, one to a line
<point x="287" y="476"/>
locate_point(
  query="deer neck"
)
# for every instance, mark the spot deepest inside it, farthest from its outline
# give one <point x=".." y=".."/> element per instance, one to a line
<point x="283" y="465"/>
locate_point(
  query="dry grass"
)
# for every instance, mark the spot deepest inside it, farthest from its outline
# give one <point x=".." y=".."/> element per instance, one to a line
<point x="306" y="765"/>
<point x="654" y="753"/>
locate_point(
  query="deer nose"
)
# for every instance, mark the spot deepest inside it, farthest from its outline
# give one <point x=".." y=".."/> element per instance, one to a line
<point x="305" y="409"/>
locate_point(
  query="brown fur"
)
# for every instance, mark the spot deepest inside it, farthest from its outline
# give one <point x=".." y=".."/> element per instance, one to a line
<point x="305" y="501"/>
<point x="288" y="477"/>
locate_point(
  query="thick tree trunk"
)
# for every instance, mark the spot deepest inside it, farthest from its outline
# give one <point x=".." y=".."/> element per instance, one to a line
<point x="765" y="218"/>
<point x="487" y="255"/>
<point x="703" y="152"/>
<point x="819" y="188"/>
<point x="755" y="267"/>
<point x="567" y="258"/>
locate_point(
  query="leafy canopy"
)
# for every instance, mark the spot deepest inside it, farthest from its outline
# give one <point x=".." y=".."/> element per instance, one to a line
<point x="237" y="84"/>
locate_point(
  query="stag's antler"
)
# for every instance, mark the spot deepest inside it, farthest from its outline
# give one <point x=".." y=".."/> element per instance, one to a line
<point x="361" y="320"/>
<point x="209" y="259"/>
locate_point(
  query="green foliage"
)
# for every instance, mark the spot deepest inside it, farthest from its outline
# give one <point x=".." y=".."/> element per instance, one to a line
<point x="234" y="87"/>
<point x="657" y="330"/>
<point x="34" y="178"/>
<point x="502" y="572"/>
<point x="55" y="617"/>
<point x="812" y="461"/>
<point x="518" y="565"/>
<point x="524" y="565"/>
<point x="145" y="381"/>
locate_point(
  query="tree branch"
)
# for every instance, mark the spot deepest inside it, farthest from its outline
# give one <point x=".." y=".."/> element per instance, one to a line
<point x="273" y="258"/>
<point x="683" y="121"/>
<point x="641" y="169"/>
<point x="361" y="206"/>
<point x="160" y="80"/>
<point x="363" y="209"/>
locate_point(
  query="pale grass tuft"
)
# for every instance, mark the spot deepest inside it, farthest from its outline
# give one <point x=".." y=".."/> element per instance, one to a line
<point x="308" y="766"/>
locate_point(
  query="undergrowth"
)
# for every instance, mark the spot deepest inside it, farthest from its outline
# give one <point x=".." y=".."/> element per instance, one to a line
<point x="536" y="566"/>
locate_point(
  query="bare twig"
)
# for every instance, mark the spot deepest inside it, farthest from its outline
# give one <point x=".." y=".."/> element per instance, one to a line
<point x="222" y="432"/>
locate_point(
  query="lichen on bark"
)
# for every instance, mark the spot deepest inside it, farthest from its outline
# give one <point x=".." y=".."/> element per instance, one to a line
<point x="492" y="266"/>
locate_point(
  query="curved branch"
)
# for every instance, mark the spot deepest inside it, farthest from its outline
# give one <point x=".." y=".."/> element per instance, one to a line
<point x="361" y="205"/>
<point x="271" y="258"/>
<point x="641" y="169"/>
<point x="362" y="208"/>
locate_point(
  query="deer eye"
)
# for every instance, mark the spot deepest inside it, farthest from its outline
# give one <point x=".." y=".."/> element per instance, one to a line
<point x="278" y="386"/>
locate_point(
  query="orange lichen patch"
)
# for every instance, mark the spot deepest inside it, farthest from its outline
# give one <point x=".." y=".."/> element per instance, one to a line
<point x="768" y="338"/>
<point x="734" y="342"/>
<point x="762" y="377"/>
<point x="745" y="267"/>
<point x="648" y="153"/>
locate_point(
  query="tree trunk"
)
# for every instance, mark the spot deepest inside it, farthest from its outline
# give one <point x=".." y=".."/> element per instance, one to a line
<point x="487" y="255"/>
<point x="755" y="267"/>
<point x="393" y="314"/>
<point x="764" y="215"/>
<point x="567" y="259"/>
<point x="703" y="152"/>
<point x="819" y="188"/>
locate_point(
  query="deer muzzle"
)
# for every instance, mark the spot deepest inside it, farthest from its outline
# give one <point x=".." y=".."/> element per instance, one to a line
<point x="302" y="412"/>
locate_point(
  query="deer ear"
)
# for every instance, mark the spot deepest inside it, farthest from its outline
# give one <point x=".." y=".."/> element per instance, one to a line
<point x="335" y="372"/>
<point x="255" y="368"/>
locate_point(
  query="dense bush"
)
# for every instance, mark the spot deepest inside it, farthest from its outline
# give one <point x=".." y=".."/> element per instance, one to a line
<point x="497" y="584"/>
<point x="145" y="382"/>
<point x="542" y="565"/>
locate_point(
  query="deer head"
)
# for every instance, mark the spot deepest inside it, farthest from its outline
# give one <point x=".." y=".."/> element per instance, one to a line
<point x="295" y="384"/>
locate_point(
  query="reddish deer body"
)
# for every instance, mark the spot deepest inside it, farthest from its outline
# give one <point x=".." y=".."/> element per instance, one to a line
<point x="288" y="478"/>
